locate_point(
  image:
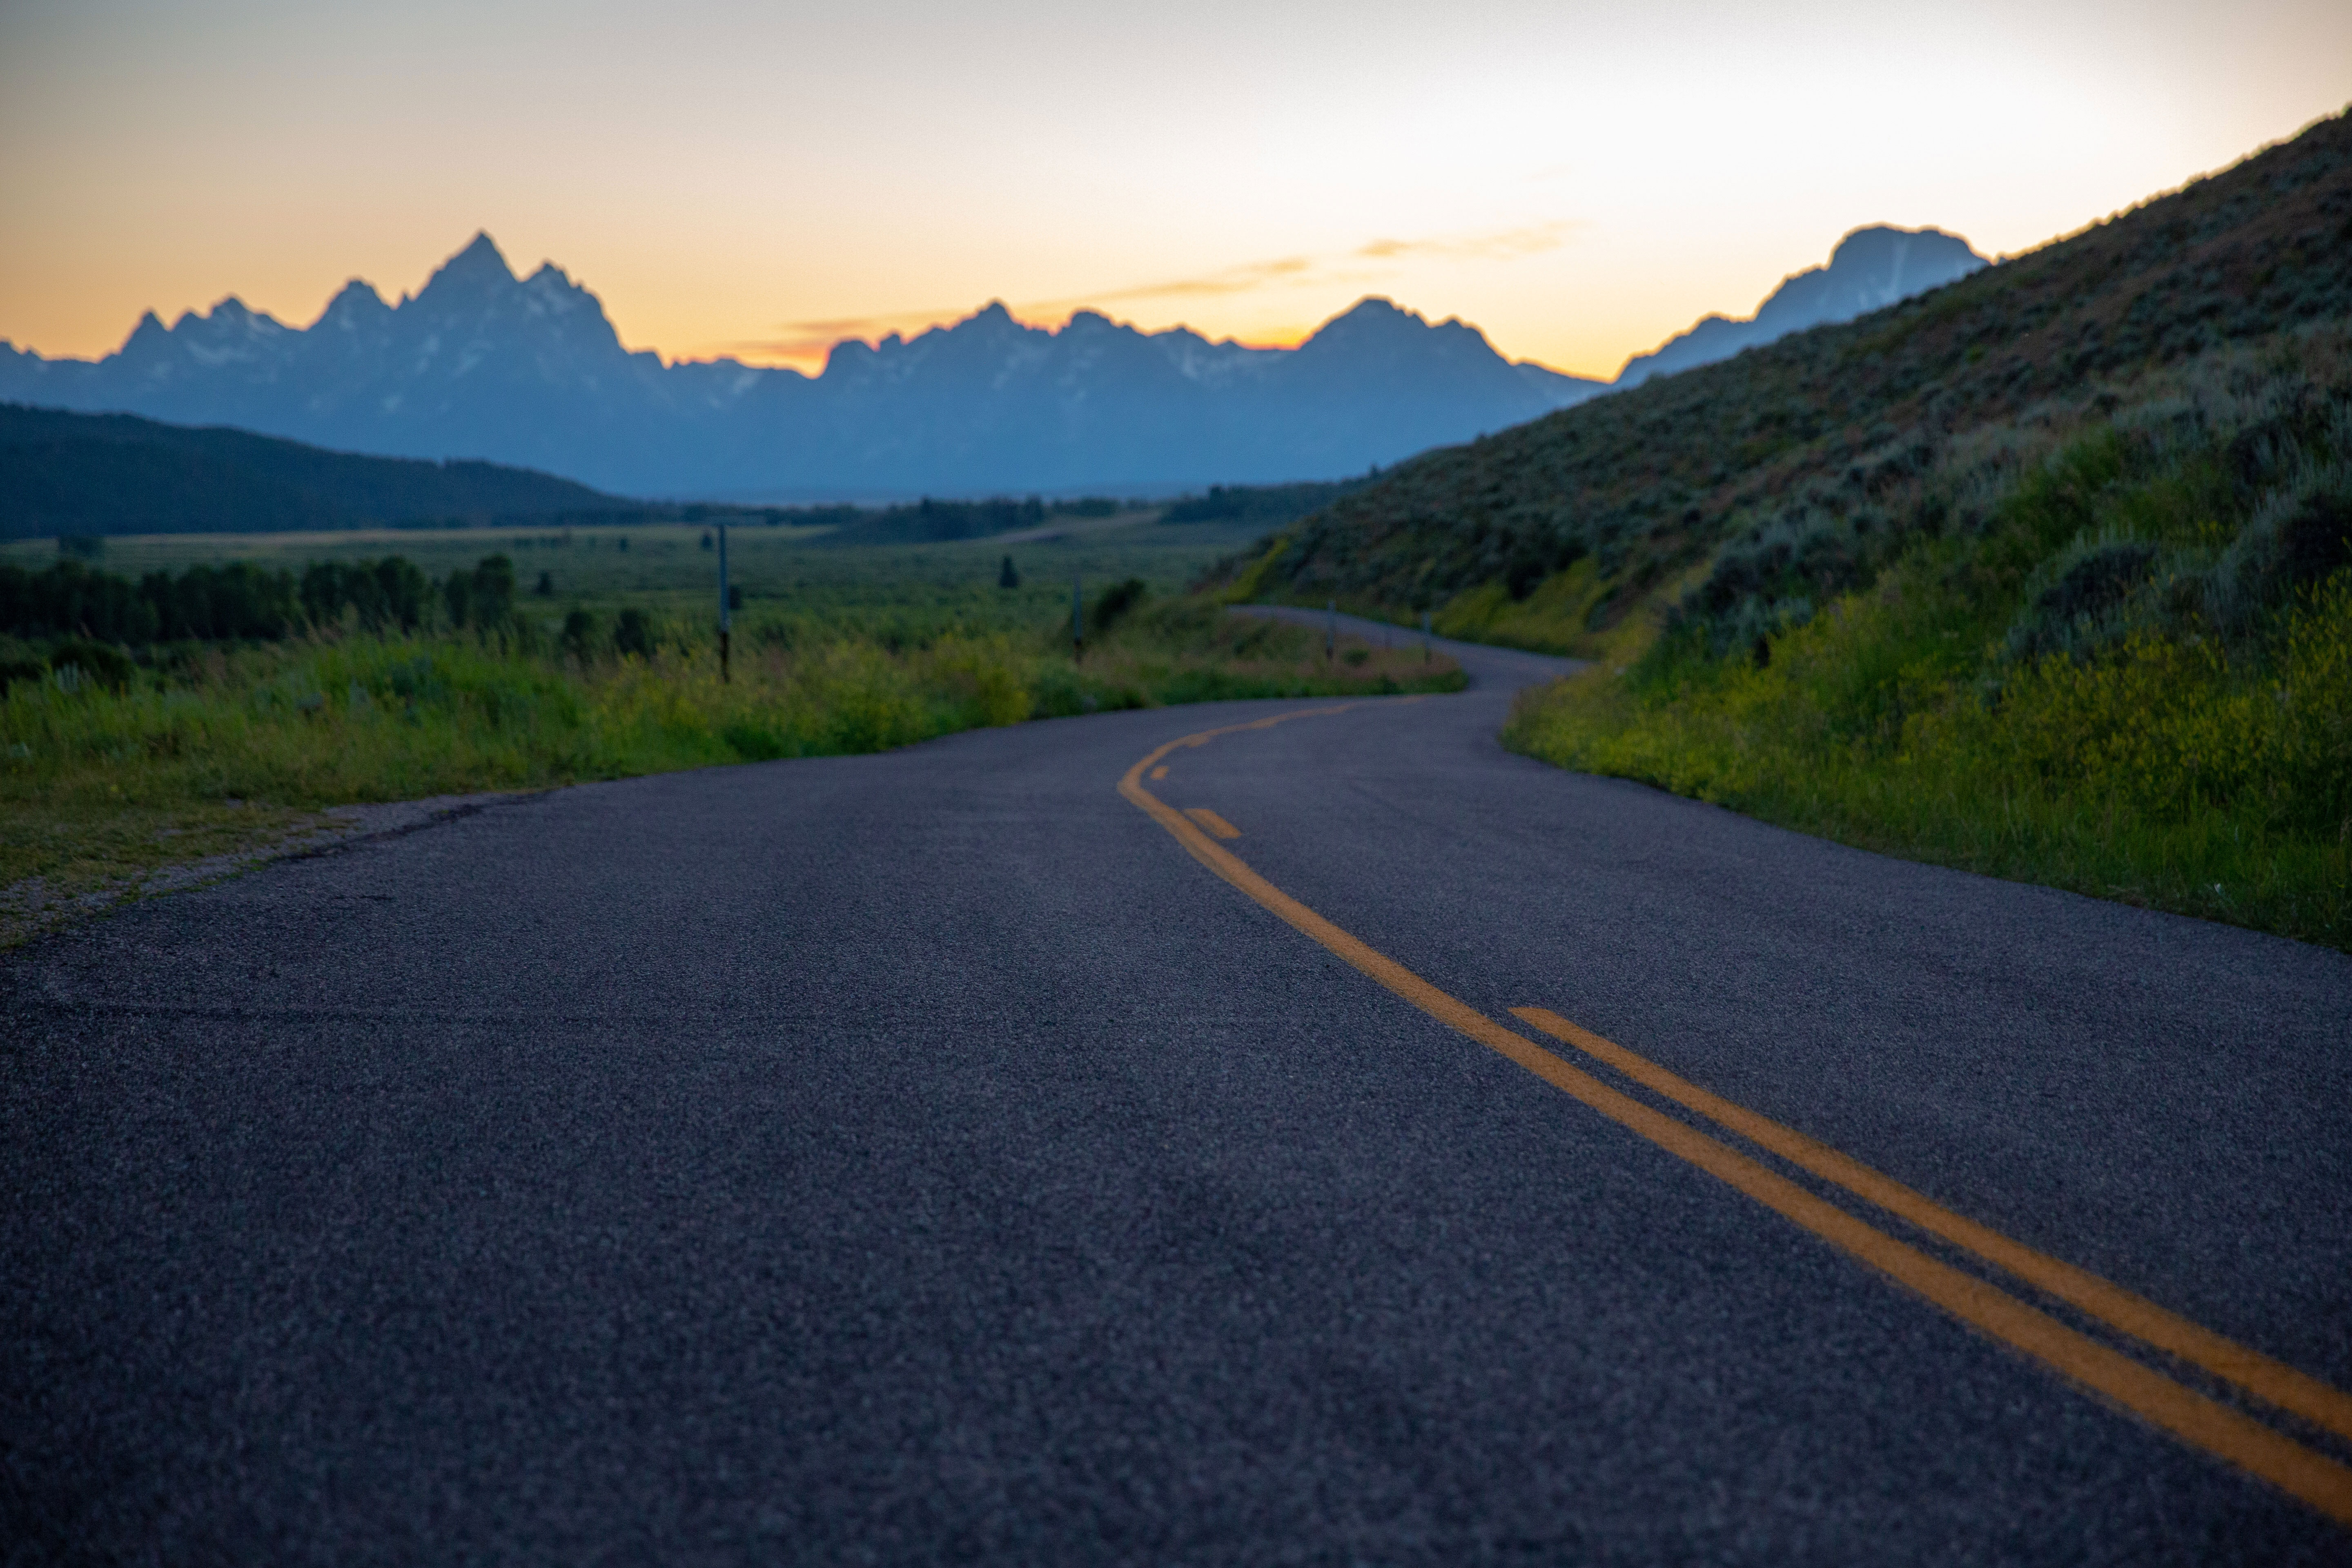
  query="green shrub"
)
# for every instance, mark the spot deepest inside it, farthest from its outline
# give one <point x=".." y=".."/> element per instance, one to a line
<point x="633" y="634"/>
<point x="1116" y="602"/>
<point x="94" y="662"/>
<point x="579" y="635"/>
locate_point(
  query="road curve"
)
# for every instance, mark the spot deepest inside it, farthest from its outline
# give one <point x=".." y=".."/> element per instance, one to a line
<point x="943" y="1156"/>
<point x="1497" y="668"/>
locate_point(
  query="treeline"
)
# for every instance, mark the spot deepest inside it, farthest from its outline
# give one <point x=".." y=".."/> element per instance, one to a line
<point x="931" y="521"/>
<point x="1267" y="506"/>
<point x="241" y="602"/>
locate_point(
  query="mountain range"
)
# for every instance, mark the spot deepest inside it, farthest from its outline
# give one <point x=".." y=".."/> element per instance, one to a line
<point x="483" y="364"/>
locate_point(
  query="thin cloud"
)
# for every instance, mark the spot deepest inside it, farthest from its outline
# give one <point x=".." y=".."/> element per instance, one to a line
<point x="1506" y="246"/>
<point x="1232" y="280"/>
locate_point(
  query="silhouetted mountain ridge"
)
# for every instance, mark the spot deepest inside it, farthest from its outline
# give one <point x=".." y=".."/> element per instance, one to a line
<point x="529" y="371"/>
<point x="483" y="364"/>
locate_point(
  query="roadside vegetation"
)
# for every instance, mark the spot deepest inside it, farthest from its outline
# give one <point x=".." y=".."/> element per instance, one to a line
<point x="368" y="681"/>
<point x="2047" y="573"/>
<point x="2108" y="651"/>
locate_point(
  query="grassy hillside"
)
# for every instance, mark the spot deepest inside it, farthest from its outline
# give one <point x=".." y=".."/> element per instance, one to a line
<point x="2046" y="574"/>
<point x="2121" y="663"/>
<point x="111" y="473"/>
<point x="1807" y="440"/>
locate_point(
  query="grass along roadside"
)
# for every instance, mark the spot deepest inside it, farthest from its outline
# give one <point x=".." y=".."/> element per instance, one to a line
<point x="216" y="752"/>
<point x="2168" y="774"/>
<point x="2105" y="646"/>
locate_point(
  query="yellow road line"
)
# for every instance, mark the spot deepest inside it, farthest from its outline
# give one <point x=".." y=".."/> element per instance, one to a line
<point x="2207" y="1424"/>
<point x="1159" y="772"/>
<point x="2273" y="1381"/>
<point x="1213" y="822"/>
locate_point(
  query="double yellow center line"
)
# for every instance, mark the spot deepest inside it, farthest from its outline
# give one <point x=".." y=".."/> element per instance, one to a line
<point x="2194" y="1418"/>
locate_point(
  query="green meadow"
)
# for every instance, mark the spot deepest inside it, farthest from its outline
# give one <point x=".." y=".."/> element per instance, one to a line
<point x="205" y="749"/>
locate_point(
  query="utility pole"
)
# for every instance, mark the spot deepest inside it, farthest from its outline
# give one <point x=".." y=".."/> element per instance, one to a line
<point x="1078" y="622"/>
<point x="726" y="619"/>
<point x="1330" y="631"/>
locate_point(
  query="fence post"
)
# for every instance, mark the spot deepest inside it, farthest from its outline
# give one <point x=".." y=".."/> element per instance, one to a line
<point x="1077" y="623"/>
<point x="726" y="619"/>
<point x="1425" y="655"/>
<point x="1330" y="631"/>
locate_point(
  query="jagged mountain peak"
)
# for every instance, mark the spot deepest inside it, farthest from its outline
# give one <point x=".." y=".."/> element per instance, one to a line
<point x="354" y="303"/>
<point x="1372" y="316"/>
<point x="1377" y="335"/>
<point x="991" y="322"/>
<point x="230" y="317"/>
<point x="480" y="266"/>
<point x="1878" y="243"/>
<point x="1375" y="318"/>
<point x="145" y="335"/>
<point x="1874" y="267"/>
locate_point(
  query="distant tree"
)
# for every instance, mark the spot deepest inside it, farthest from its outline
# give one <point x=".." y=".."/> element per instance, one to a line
<point x="97" y="664"/>
<point x="387" y="593"/>
<point x="578" y="632"/>
<point x="1116" y="600"/>
<point x="238" y="601"/>
<point x="546" y="587"/>
<point x="632" y="633"/>
<point x="707" y="542"/>
<point x="494" y="591"/>
<point x="403" y="588"/>
<point x="1008" y="577"/>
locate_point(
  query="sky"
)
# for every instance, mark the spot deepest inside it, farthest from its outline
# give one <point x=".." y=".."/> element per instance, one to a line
<point x="1580" y="181"/>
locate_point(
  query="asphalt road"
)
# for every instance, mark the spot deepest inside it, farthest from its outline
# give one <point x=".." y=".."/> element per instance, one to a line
<point x="924" y="1158"/>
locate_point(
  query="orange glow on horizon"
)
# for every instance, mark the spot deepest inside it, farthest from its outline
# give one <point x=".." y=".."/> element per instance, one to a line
<point x="1233" y="173"/>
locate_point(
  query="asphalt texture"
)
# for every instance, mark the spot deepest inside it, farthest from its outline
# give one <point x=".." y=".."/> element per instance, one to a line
<point x="920" y="1157"/>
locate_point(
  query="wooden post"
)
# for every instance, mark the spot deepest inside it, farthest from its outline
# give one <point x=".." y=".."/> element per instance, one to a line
<point x="726" y="619"/>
